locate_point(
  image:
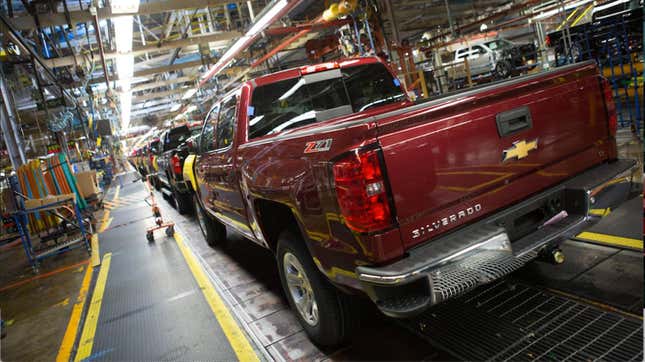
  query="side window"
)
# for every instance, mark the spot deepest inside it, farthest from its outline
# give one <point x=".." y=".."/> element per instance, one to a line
<point x="477" y="50"/>
<point x="226" y="124"/>
<point x="207" y="139"/>
<point x="462" y="53"/>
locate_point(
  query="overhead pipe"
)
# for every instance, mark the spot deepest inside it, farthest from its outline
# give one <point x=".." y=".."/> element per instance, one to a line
<point x="311" y="26"/>
<point x="97" y="30"/>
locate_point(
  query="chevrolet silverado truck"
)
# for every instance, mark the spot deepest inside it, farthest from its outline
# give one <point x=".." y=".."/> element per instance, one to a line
<point x="170" y="164"/>
<point x="356" y="189"/>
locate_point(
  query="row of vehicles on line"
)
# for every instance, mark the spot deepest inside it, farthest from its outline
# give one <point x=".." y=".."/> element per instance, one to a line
<point x="358" y="190"/>
<point x="161" y="160"/>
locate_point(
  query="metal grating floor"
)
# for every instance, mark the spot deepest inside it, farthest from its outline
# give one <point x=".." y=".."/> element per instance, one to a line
<point x="511" y="321"/>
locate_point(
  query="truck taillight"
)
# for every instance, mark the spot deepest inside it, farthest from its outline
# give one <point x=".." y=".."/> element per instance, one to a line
<point x="361" y="191"/>
<point x="611" y="106"/>
<point x="176" y="164"/>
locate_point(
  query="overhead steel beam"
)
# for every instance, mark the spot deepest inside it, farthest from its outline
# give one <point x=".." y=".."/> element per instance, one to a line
<point x="26" y="22"/>
<point x="155" y="47"/>
<point x="163" y="83"/>
<point x="145" y="97"/>
<point x="167" y="68"/>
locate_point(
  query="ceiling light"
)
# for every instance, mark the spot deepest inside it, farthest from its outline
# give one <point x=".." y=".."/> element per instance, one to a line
<point x="266" y="18"/>
<point x="189" y="94"/>
<point x="175" y="107"/>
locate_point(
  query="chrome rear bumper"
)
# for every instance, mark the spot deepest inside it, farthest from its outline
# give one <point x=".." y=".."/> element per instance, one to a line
<point x="482" y="252"/>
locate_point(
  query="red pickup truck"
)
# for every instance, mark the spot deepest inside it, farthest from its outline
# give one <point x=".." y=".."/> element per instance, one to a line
<point x="356" y="188"/>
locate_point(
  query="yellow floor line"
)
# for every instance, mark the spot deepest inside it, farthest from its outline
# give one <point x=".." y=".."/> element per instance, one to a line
<point x="612" y="240"/>
<point x="105" y="221"/>
<point x="96" y="255"/>
<point x="234" y="334"/>
<point x="600" y="212"/>
<point x="116" y="193"/>
<point x="89" y="329"/>
<point x="65" y="350"/>
<point x="105" y="225"/>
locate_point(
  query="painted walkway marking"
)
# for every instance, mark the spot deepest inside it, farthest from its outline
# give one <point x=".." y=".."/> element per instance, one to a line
<point x="96" y="254"/>
<point x="89" y="329"/>
<point x="65" y="350"/>
<point x="234" y="334"/>
<point x="105" y="221"/>
<point x="630" y="243"/>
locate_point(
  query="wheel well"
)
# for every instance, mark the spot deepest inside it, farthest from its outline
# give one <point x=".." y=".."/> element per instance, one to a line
<point x="274" y="217"/>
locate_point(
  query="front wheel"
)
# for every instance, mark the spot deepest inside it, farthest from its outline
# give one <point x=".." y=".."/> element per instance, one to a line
<point x="503" y="70"/>
<point x="213" y="231"/>
<point x="183" y="201"/>
<point x="322" y="310"/>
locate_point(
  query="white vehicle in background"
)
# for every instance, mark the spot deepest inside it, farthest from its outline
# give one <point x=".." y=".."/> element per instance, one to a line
<point x="488" y="57"/>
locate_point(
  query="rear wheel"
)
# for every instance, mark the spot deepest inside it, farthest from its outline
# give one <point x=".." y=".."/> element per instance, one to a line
<point x="213" y="231"/>
<point x="323" y="311"/>
<point x="183" y="201"/>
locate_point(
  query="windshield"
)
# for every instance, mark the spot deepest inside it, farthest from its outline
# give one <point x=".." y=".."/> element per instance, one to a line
<point x="320" y="96"/>
<point x="498" y="44"/>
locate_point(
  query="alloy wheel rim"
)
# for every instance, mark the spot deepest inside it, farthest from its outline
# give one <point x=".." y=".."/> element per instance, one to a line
<point x="300" y="289"/>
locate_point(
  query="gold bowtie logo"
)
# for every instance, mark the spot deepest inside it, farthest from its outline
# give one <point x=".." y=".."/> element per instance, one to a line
<point x="520" y="150"/>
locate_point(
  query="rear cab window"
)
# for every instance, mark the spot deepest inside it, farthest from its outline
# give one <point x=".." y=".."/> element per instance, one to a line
<point x="316" y="97"/>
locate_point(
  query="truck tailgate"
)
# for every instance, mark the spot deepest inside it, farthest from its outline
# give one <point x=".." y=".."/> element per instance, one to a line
<point x="456" y="159"/>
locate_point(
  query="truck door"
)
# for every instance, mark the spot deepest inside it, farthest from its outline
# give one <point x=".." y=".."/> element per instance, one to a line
<point x="206" y="148"/>
<point x="479" y="59"/>
<point x="222" y="181"/>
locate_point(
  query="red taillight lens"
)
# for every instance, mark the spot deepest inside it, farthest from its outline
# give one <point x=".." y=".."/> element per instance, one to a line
<point x="176" y="164"/>
<point x="612" y="119"/>
<point x="360" y="188"/>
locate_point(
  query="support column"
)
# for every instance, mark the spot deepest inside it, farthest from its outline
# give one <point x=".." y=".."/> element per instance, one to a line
<point x="450" y="21"/>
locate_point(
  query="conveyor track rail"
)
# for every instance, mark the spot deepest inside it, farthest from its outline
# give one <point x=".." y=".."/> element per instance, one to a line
<point x="511" y="321"/>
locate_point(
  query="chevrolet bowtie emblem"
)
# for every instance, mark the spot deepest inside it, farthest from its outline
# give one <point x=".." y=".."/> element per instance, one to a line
<point x="520" y="150"/>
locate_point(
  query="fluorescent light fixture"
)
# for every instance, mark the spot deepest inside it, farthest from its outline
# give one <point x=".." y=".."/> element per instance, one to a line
<point x="124" y="64"/>
<point x="558" y="10"/>
<point x="175" y="107"/>
<point x="266" y="18"/>
<point x="262" y="21"/>
<point x="189" y="94"/>
<point x="609" y="5"/>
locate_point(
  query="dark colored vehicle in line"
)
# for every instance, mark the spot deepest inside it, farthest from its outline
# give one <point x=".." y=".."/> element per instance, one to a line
<point x="170" y="163"/>
<point x="356" y="189"/>
<point x="614" y="32"/>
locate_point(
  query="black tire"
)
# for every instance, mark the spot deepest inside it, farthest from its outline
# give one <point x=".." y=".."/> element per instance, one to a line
<point x="170" y="231"/>
<point x="214" y="232"/>
<point x="503" y="70"/>
<point x="336" y="320"/>
<point x="183" y="201"/>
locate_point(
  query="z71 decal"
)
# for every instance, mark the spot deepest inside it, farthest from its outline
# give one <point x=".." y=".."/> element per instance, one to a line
<point x="318" y="146"/>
